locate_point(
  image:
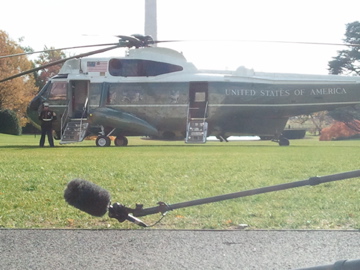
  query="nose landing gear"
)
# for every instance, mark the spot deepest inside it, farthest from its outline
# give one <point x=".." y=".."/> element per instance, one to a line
<point x="104" y="140"/>
<point x="121" y="141"/>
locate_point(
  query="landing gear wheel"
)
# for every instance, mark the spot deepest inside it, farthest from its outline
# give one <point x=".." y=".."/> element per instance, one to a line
<point x="284" y="141"/>
<point x="103" y="141"/>
<point x="121" y="141"/>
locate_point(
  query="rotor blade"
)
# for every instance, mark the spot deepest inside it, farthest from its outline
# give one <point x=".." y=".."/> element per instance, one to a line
<point x="174" y="40"/>
<point x="262" y="41"/>
<point x="59" y="62"/>
<point x="302" y="42"/>
<point x="60" y="49"/>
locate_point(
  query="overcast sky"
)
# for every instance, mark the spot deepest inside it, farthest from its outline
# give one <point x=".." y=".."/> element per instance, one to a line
<point x="78" y="22"/>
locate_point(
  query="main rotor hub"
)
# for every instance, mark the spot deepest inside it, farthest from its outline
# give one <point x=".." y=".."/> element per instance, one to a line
<point x="136" y="41"/>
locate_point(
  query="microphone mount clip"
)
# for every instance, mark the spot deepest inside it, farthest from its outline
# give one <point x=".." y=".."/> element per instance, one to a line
<point x="118" y="211"/>
<point x="121" y="213"/>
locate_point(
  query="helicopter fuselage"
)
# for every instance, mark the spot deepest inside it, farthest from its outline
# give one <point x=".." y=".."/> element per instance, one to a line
<point x="156" y="92"/>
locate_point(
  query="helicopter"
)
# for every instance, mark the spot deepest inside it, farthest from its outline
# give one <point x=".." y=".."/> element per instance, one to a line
<point x="154" y="91"/>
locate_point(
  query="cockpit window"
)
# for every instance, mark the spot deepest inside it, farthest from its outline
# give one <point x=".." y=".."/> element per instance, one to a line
<point x="140" y="68"/>
<point x="58" y="91"/>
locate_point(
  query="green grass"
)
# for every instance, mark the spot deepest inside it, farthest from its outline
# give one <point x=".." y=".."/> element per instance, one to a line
<point x="32" y="182"/>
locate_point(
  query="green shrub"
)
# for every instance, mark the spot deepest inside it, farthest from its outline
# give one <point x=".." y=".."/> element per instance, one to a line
<point x="9" y="123"/>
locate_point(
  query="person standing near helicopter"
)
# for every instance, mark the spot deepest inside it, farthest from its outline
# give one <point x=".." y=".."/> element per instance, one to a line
<point x="47" y="117"/>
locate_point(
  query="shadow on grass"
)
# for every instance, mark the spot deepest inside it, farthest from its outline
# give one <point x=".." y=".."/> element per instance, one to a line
<point x="23" y="147"/>
<point x="132" y="146"/>
<point x="175" y="144"/>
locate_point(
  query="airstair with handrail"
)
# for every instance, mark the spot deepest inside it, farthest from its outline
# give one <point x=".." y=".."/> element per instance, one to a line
<point x="196" y="127"/>
<point x="74" y="129"/>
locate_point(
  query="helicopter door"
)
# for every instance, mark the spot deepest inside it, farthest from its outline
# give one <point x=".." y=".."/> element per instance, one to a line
<point x="198" y="98"/>
<point x="79" y="102"/>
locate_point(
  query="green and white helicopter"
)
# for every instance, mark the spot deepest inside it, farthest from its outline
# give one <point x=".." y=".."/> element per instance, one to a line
<point x="154" y="91"/>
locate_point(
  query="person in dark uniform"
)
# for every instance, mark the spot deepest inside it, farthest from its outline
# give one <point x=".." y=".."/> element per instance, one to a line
<point x="47" y="117"/>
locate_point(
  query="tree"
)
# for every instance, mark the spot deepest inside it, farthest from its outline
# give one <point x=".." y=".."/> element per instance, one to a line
<point x="348" y="62"/>
<point x="49" y="55"/>
<point x="318" y="121"/>
<point x="348" y="115"/>
<point x="15" y="94"/>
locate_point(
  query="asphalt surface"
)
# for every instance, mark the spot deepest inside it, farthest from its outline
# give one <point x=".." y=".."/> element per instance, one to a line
<point x="174" y="249"/>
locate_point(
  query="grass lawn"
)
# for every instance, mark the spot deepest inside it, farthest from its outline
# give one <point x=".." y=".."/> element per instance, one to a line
<point x="33" y="179"/>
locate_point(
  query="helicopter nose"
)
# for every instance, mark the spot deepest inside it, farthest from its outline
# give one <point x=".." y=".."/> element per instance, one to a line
<point x="32" y="110"/>
<point x="35" y="104"/>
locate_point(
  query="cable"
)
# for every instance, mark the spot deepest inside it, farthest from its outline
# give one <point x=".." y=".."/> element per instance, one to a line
<point x="163" y="215"/>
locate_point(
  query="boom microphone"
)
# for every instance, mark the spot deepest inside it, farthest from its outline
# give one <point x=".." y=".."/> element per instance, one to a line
<point x="95" y="201"/>
<point x="87" y="197"/>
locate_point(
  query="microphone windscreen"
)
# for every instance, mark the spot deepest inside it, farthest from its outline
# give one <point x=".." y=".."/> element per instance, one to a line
<point x="87" y="197"/>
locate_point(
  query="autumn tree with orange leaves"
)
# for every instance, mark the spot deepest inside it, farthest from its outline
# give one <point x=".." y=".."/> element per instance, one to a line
<point x="15" y="94"/>
<point x="49" y="55"/>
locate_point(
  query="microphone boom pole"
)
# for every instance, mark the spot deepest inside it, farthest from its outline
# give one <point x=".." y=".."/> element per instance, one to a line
<point x="312" y="181"/>
<point x="339" y="265"/>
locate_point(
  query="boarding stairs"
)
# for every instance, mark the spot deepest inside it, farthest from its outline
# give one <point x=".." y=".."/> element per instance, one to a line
<point x="73" y="129"/>
<point x="196" y="127"/>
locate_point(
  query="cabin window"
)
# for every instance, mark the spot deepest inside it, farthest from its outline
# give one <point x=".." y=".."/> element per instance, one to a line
<point x="124" y="94"/>
<point x="140" y="68"/>
<point x="112" y="97"/>
<point x="58" y="91"/>
<point x="200" y="97"/>
<point x="94" y="94"/>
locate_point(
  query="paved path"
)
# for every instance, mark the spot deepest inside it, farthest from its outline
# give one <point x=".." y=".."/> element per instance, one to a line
<point x="174" y="249"/>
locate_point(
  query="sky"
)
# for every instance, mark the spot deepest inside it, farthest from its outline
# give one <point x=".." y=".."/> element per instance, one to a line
<point x="211" y="30"/>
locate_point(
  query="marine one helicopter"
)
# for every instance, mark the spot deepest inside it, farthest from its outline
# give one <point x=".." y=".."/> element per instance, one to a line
<point x="154" y="91"/>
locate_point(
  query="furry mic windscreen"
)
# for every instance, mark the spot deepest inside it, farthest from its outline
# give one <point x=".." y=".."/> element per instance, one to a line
<point x="87" y="197"/>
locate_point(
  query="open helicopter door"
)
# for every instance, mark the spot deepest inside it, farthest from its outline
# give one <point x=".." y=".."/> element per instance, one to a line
<point x="76" y="118"/>
<point x="196" y="130"/>
<point x="79" y="95"/>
